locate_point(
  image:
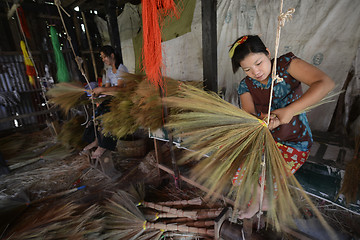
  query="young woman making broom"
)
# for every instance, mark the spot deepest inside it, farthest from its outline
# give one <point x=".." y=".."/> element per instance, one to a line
<point x="291" y="132"/>
<point x="113" y="82"/>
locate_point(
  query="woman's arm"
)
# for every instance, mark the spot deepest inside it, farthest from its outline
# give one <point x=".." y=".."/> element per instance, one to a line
<point x="247" y="103"/>
<point x="108" y="88"/>
<point x="319" y="84"/>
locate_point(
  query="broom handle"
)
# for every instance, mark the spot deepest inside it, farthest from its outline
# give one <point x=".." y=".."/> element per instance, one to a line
<point x="200" y="214"/>
<point x="200" y="224"/>
<point x="181" y="228"/>
<point x="177" y="212"/>
<point x="176" y="171"/>
<point x="195" y="201"/>
<point x="208" y="213"/>
<point x="195" y="184"/>
<point x="57" y="194"/>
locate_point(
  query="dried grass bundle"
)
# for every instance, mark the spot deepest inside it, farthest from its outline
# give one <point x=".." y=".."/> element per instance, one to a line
<point x="125" y="221"/>
<point x="67" y="95"/>
<point x="148" y="106"/>
<point x="62" y="221"/>
<point x="233" y="138"/>
<point x="12" y="144"/>
<point x="71" y="133"/>
<point x="350" y="186"/>
<point x="118" y="121"/>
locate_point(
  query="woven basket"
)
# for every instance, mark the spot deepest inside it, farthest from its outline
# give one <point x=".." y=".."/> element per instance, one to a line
<point x="134" y="148"/>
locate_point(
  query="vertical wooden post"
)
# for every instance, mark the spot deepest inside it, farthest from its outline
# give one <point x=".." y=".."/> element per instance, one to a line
<point x="113" y="28"/>
<point x="209" y="43"/>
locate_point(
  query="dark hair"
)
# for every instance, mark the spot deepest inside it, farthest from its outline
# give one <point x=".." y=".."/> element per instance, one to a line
<point x="108" y="50"/>
<point x="253" y="44"/>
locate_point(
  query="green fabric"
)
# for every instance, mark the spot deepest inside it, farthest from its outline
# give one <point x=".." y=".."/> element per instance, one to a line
<point x="62" y="71"/>
<point x="172" y="28"/>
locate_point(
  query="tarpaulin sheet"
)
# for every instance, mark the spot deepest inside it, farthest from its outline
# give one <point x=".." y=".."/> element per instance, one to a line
<point x="325" y="33"/>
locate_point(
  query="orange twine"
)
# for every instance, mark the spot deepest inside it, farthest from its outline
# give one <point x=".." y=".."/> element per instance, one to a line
<point x="153" y="11"/>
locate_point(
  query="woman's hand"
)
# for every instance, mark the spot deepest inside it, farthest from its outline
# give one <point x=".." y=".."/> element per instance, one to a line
<point x="284" y="115"/>
<point x="97" y="91"/>
<point x="278" y="117"/>
<point x="274" y="121"/>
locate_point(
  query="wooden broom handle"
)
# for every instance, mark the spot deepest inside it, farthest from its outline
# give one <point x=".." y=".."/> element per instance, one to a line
<point x="181" y="228"/>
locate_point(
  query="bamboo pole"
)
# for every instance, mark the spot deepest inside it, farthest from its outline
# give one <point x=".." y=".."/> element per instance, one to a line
<point x="90" y="46"/>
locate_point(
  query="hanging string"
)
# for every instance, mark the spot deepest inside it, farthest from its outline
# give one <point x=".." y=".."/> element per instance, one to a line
<point x="274" y="77"/>
<point x="78" y="59"/>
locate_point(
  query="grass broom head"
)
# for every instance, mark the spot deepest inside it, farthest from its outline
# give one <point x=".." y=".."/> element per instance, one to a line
<point x="123" y="220"/>
<point x="12" y="144"/>
<point x="58" y="221"/>
<point x="71" y="133"/>
<point x="232" y="138"/>
<point x="350" y="186"/>
<point x="67" y="95"/>
<point x="118" y="122"/>
<point x="148" y="106"/>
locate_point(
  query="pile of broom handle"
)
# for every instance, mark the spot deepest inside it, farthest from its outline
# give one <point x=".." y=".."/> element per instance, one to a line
<point x="196" y="201"/>
<point x="181" y="228"/>
<point x="176" y="213"/>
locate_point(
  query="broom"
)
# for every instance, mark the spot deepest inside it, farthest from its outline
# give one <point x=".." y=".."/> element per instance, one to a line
<point x="59" y="221"/>
<point x="118" y="122"/>
<point x="232" y="138"/>
<point x="147" y="107"/>
<point x="125" y="221"/>
<point x="67" y="95"/>
<point x="71" y="133"/>
<point x="11" y="208"/>
<point x="195" y="201"/>
<point x="137" y="194"/>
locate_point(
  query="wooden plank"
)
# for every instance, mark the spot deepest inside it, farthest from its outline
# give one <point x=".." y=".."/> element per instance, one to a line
<point x="209" y="42"/>
<point x="113" y="27"/>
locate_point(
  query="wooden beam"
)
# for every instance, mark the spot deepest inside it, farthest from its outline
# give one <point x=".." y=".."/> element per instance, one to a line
<point x="12" y="118"/>
<point x="209" y="43"/>
<point x="111" y="18"/>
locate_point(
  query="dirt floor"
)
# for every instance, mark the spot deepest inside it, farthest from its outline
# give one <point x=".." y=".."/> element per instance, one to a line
<point x="63" y="195"/>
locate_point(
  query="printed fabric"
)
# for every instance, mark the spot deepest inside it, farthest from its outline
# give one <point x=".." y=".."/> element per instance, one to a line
<point x="296" y="133"/>
<point x="294" y="159"/>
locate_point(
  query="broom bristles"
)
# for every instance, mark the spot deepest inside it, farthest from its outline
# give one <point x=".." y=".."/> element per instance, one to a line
<point x="67" y="95"/>
<point x="233" y="138"/>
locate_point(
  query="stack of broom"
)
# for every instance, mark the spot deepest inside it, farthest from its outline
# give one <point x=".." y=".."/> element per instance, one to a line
<point x="126" y="218"/>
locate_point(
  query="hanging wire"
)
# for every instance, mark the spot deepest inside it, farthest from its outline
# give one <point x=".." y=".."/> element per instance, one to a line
<point x="78" y="59"/>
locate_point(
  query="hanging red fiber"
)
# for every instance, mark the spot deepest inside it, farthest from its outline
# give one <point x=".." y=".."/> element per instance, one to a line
<point x="23" y="22"/>
<point x="153" y="12"/>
